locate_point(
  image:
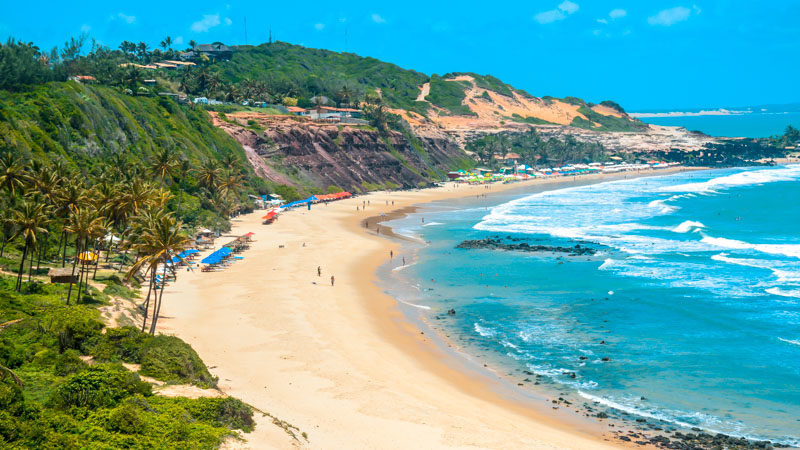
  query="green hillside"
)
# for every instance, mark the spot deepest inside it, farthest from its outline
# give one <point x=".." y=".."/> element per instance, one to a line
<point x="83" y="123"/>
<point x="305" y="72"/>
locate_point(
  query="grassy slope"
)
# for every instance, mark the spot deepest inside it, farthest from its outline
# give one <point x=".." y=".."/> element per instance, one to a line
<point x="84" y="122"/>
<point x="314" y="71"/>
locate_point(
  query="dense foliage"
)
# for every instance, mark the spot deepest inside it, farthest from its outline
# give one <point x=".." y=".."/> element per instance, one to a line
<point x="534" y="150"/>
<point x="294" y="71"/>
<point x="61" y="401"/>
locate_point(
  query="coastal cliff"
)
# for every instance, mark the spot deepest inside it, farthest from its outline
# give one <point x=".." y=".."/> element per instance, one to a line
<point x="316" y="156"/>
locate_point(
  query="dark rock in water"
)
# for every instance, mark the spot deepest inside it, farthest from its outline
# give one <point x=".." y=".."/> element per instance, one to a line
<point x="601" y="415"/>
<point x="605" y="359"/>
<point x="451" y="312"/>
<point x="582" y="358"/>
<point x="497" y="244"/>
<point x="624" y="438"/>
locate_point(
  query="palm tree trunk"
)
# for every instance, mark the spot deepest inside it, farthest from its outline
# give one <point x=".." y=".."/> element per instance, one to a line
<point x="74" y="263"/>
<point x="30" y="267"/>
<point x="60" y="241"/>
<point x="42" y="251"/>
<point x="147" y="300"/>
<point x="3" y="247"/>
<point x="22" y="266"/>
<point x="157" y="308"/>
<point x="64" y="256"/>
<point x="97" y="263"/>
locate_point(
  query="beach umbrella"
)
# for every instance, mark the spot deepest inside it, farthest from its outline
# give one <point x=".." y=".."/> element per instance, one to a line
<point x="88" y="257"/>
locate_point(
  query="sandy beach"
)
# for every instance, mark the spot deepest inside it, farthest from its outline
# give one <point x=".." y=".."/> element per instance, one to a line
<point x="339" y="362"/>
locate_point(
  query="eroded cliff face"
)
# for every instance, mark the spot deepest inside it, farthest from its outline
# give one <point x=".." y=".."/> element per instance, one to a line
<point x="294" y="151"/>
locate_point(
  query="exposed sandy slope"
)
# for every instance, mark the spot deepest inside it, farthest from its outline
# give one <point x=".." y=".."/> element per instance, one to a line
<point x="339" y="363"/>
<point x="501" y="108"/>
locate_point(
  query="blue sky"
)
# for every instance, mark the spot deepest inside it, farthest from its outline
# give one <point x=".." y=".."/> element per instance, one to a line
<point x="644" y="54"/>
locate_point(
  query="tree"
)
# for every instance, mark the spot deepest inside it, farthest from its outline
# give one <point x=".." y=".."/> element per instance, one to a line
<point x="160" y="238"/>
<point x="30" y="220"/>
<point x="208" y="174"/>
<point x="83" y="223"/>
<point x="164" y="163"/>
<point x="192" y="44"/>
<point x="12" y="172"/>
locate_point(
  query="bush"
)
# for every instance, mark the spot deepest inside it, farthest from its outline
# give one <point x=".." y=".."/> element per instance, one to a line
<point x="120" y="344"/>
<point x="169" y="359"/>
<point x="98" y="386"/>
<point x="73" y="326"/>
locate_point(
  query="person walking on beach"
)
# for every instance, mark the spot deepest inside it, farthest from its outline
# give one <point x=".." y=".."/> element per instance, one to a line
<point x="332" y="280"/>
<point x="404" y="260"/>
<point x="391" y="254"/>
<point x="319" y="271"/>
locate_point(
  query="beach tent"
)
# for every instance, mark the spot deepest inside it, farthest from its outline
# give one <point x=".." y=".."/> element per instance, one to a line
<point x="300" y="202"/>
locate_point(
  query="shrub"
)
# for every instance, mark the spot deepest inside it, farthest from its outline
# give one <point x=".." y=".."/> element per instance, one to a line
<point x="127" y="418"/>
<point x="334" y="189"/>
<point x="170" y="359"/>
<point x="120" y="344"/>
<point x="98" y="386"/>
<point x="75" y="327"/>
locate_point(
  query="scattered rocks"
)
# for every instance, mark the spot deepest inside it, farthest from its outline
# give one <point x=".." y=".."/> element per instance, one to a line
<point x="498" y="244"/>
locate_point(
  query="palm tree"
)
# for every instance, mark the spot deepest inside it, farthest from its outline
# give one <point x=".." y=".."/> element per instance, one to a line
<point x="230" y="182"/>
<point x="69" y="197"/>
<point x="7" y="224"/>
<point x="230" y="93"/>
<point x="163" y="163"/>
<point x="29" y="219"/>
<point x="192" y="44"/>
<point x="208" y="174"/>
<point x="12" y="172"/>
<point x="345" y="95"/>
<point x="83" y="223"/>
<point x="160" y="238"/>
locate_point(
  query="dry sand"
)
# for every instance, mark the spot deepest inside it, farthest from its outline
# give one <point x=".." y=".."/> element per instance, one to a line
<point x="340" y="363"/>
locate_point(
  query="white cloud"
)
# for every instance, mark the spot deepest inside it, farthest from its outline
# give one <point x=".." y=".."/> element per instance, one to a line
<point x="178" y="40"/>
<point x="671" y="16"/>
<point x="551" y="16"/>
<point x="377" y="18"/>
<point x="85" y="28"/>
<point x="603" y="21"/>
<point x="568" y="7"/>
<point x="208" y="22"/>
<point x="564" y="9"/>
<point x="228" y="21"/>
<point x="617" y="13"/>
<point x="126" y="18"/>
<point x="319" y="26"/>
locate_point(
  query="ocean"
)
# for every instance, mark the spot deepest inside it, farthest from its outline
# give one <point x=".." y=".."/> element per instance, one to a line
<point x="688" y="313"/>
<point x="754" y="122"/>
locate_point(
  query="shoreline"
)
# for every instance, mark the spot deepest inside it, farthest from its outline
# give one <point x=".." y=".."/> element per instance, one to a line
<point x="342" y="363"/>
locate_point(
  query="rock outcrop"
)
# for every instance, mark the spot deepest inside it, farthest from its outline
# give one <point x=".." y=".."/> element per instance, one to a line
<point x="299" y="152"/>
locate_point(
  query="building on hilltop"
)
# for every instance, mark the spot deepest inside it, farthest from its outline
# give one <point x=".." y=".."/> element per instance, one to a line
<point x="216" y="52"/>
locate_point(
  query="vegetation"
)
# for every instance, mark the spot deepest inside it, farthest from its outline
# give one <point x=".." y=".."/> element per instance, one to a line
<point x="287" y="70"/>
<point x="52" y="398"/>
<point x="534" y="150"/>
<point x="449" y="95"/>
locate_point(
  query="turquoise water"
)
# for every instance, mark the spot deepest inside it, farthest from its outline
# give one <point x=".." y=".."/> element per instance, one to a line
<point x="693" y="295"/>
<point x="753" y="125"/>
